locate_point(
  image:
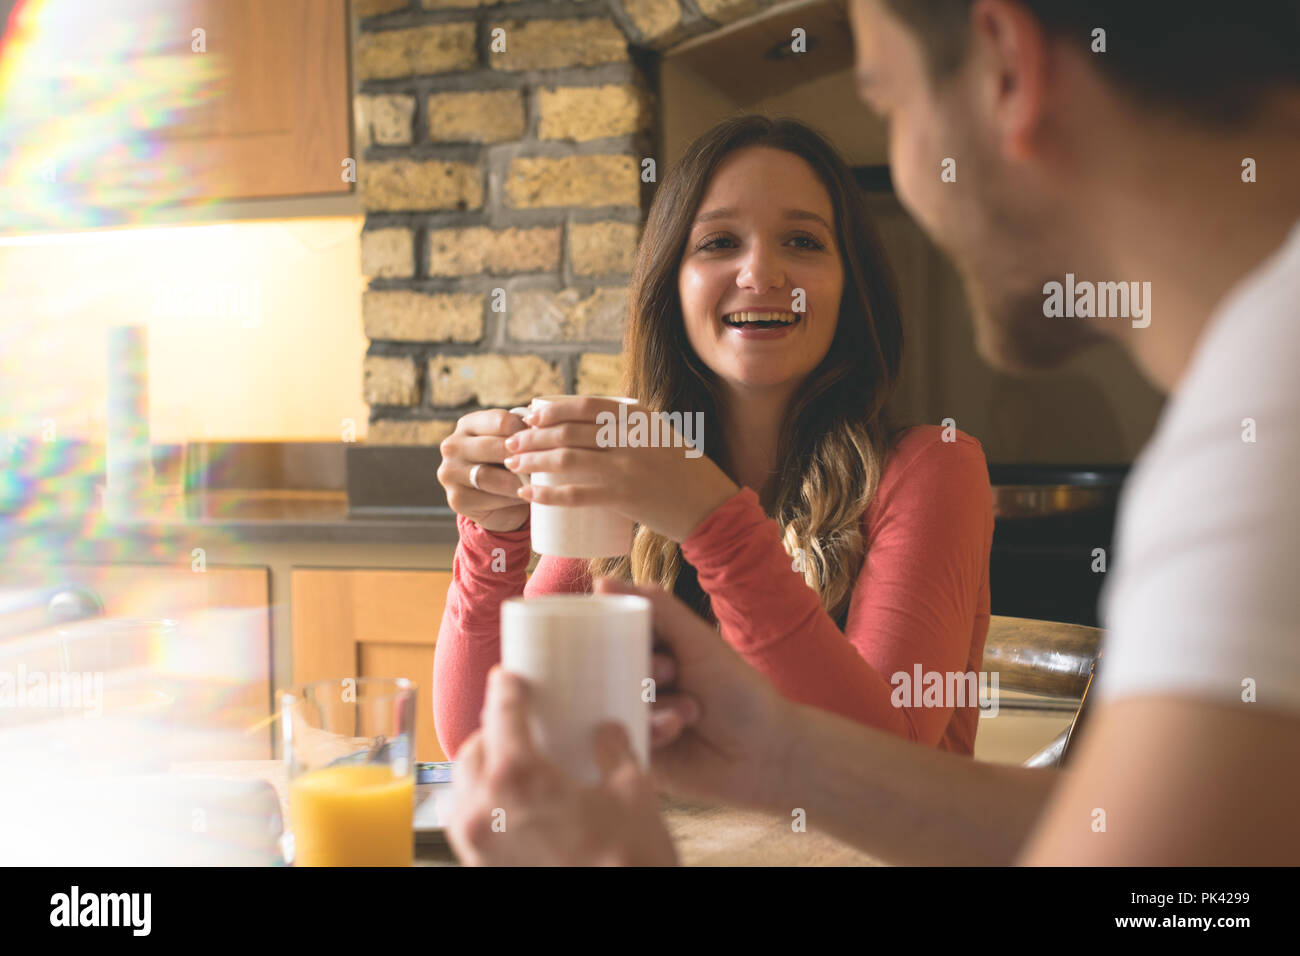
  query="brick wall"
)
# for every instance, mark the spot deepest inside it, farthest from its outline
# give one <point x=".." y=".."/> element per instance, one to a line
<point x="503" y="191"/>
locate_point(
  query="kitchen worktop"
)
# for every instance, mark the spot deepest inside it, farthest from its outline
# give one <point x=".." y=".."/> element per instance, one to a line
<point x="243" y="517"/>
<point x="704" y="834"/>
<point x="304" y="515"/>
<point x="248" y="492"/>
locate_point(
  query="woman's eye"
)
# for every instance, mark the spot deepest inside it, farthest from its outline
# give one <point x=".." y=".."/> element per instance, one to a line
<point x="719" y="243"/>
<point x="714" y="242"/>
<point x="807" y="242"/>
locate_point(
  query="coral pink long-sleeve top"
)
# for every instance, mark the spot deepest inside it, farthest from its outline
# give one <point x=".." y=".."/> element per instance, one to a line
<point x="921" y="598"/>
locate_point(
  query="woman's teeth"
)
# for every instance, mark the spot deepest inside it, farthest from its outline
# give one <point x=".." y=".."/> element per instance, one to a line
<point x="762" y="320"/>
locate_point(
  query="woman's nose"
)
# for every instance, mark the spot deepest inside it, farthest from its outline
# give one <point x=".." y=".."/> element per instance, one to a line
<point x="760" y="271"/>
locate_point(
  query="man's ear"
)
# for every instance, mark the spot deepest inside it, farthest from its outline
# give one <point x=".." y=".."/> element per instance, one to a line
<point x="1009" y="51"/>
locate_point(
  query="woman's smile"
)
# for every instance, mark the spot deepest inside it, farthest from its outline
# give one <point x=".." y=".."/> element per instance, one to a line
<point x="762" y="326"/>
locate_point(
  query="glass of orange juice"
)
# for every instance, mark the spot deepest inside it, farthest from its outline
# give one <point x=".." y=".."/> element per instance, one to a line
<point x="349" y="749"/>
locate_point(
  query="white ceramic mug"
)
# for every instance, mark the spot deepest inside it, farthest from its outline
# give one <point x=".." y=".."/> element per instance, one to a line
<point x="585" y="657"/>
<point x="578" y="531"/>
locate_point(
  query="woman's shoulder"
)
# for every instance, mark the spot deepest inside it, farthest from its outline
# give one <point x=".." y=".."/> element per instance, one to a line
<point x="931" y="467"/>
<point x="922" y="444"/>
<point x="933" y="456"/>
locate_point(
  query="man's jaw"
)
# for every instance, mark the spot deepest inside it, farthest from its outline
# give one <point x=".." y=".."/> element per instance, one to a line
<point x="1013" y="335"/>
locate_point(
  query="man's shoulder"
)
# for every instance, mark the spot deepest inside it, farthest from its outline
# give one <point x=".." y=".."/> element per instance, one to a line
<point x="1251" y="347"/>
<point x="1202" y="593"/>
<point x="1233" y="417"/>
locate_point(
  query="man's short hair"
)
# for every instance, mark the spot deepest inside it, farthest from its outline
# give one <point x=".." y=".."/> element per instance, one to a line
<point x="1213" y="60"/>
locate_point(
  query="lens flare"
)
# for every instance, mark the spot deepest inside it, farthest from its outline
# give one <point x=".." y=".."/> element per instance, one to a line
<point x="94" y="98"/>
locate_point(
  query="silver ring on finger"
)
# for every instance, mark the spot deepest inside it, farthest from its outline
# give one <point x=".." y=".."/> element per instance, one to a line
<point x="473" y="476"/>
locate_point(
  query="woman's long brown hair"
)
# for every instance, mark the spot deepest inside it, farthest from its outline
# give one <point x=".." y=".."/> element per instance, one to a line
<point x="835" y="435"/>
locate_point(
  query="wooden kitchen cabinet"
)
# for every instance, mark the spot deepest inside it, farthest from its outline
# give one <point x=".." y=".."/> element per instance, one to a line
<point x="371" y="623"/>
<point x="173" y="104"/>
<point x="277" y="122"/>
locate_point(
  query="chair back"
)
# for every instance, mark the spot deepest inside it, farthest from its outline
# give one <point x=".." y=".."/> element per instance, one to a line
<point x="1047" y="659"/>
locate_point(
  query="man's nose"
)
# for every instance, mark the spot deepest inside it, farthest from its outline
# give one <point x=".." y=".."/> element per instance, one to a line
<point x="760" y="271"/>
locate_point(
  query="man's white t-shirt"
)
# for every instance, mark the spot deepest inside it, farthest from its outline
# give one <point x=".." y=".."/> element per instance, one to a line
<point x="1204" y="594"/>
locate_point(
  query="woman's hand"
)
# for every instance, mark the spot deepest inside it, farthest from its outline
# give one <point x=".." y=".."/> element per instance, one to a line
<point x="660" y="488"/>
<point x="513" y="807"/>
<point x="491" y="501"/>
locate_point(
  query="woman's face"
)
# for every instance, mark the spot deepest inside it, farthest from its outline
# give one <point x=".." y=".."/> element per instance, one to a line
<point x="761" y="277"/>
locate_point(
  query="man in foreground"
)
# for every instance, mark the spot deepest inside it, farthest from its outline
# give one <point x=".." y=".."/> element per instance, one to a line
<point x="1164" y="150"/>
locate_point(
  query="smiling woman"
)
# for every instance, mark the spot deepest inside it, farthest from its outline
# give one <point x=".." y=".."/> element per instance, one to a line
<point x="812" y="530"/>
<point x="760" y="257"/>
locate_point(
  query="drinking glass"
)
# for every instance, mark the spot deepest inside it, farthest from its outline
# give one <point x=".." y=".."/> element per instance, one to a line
<point x="349" y="748"/>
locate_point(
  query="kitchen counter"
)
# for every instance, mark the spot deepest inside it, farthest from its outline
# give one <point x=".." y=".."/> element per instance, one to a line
<point x="704" y="834"/>
<point x="221" y="517"/>
<point x="303" y="516"/>
<point x="49" y="492"/>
